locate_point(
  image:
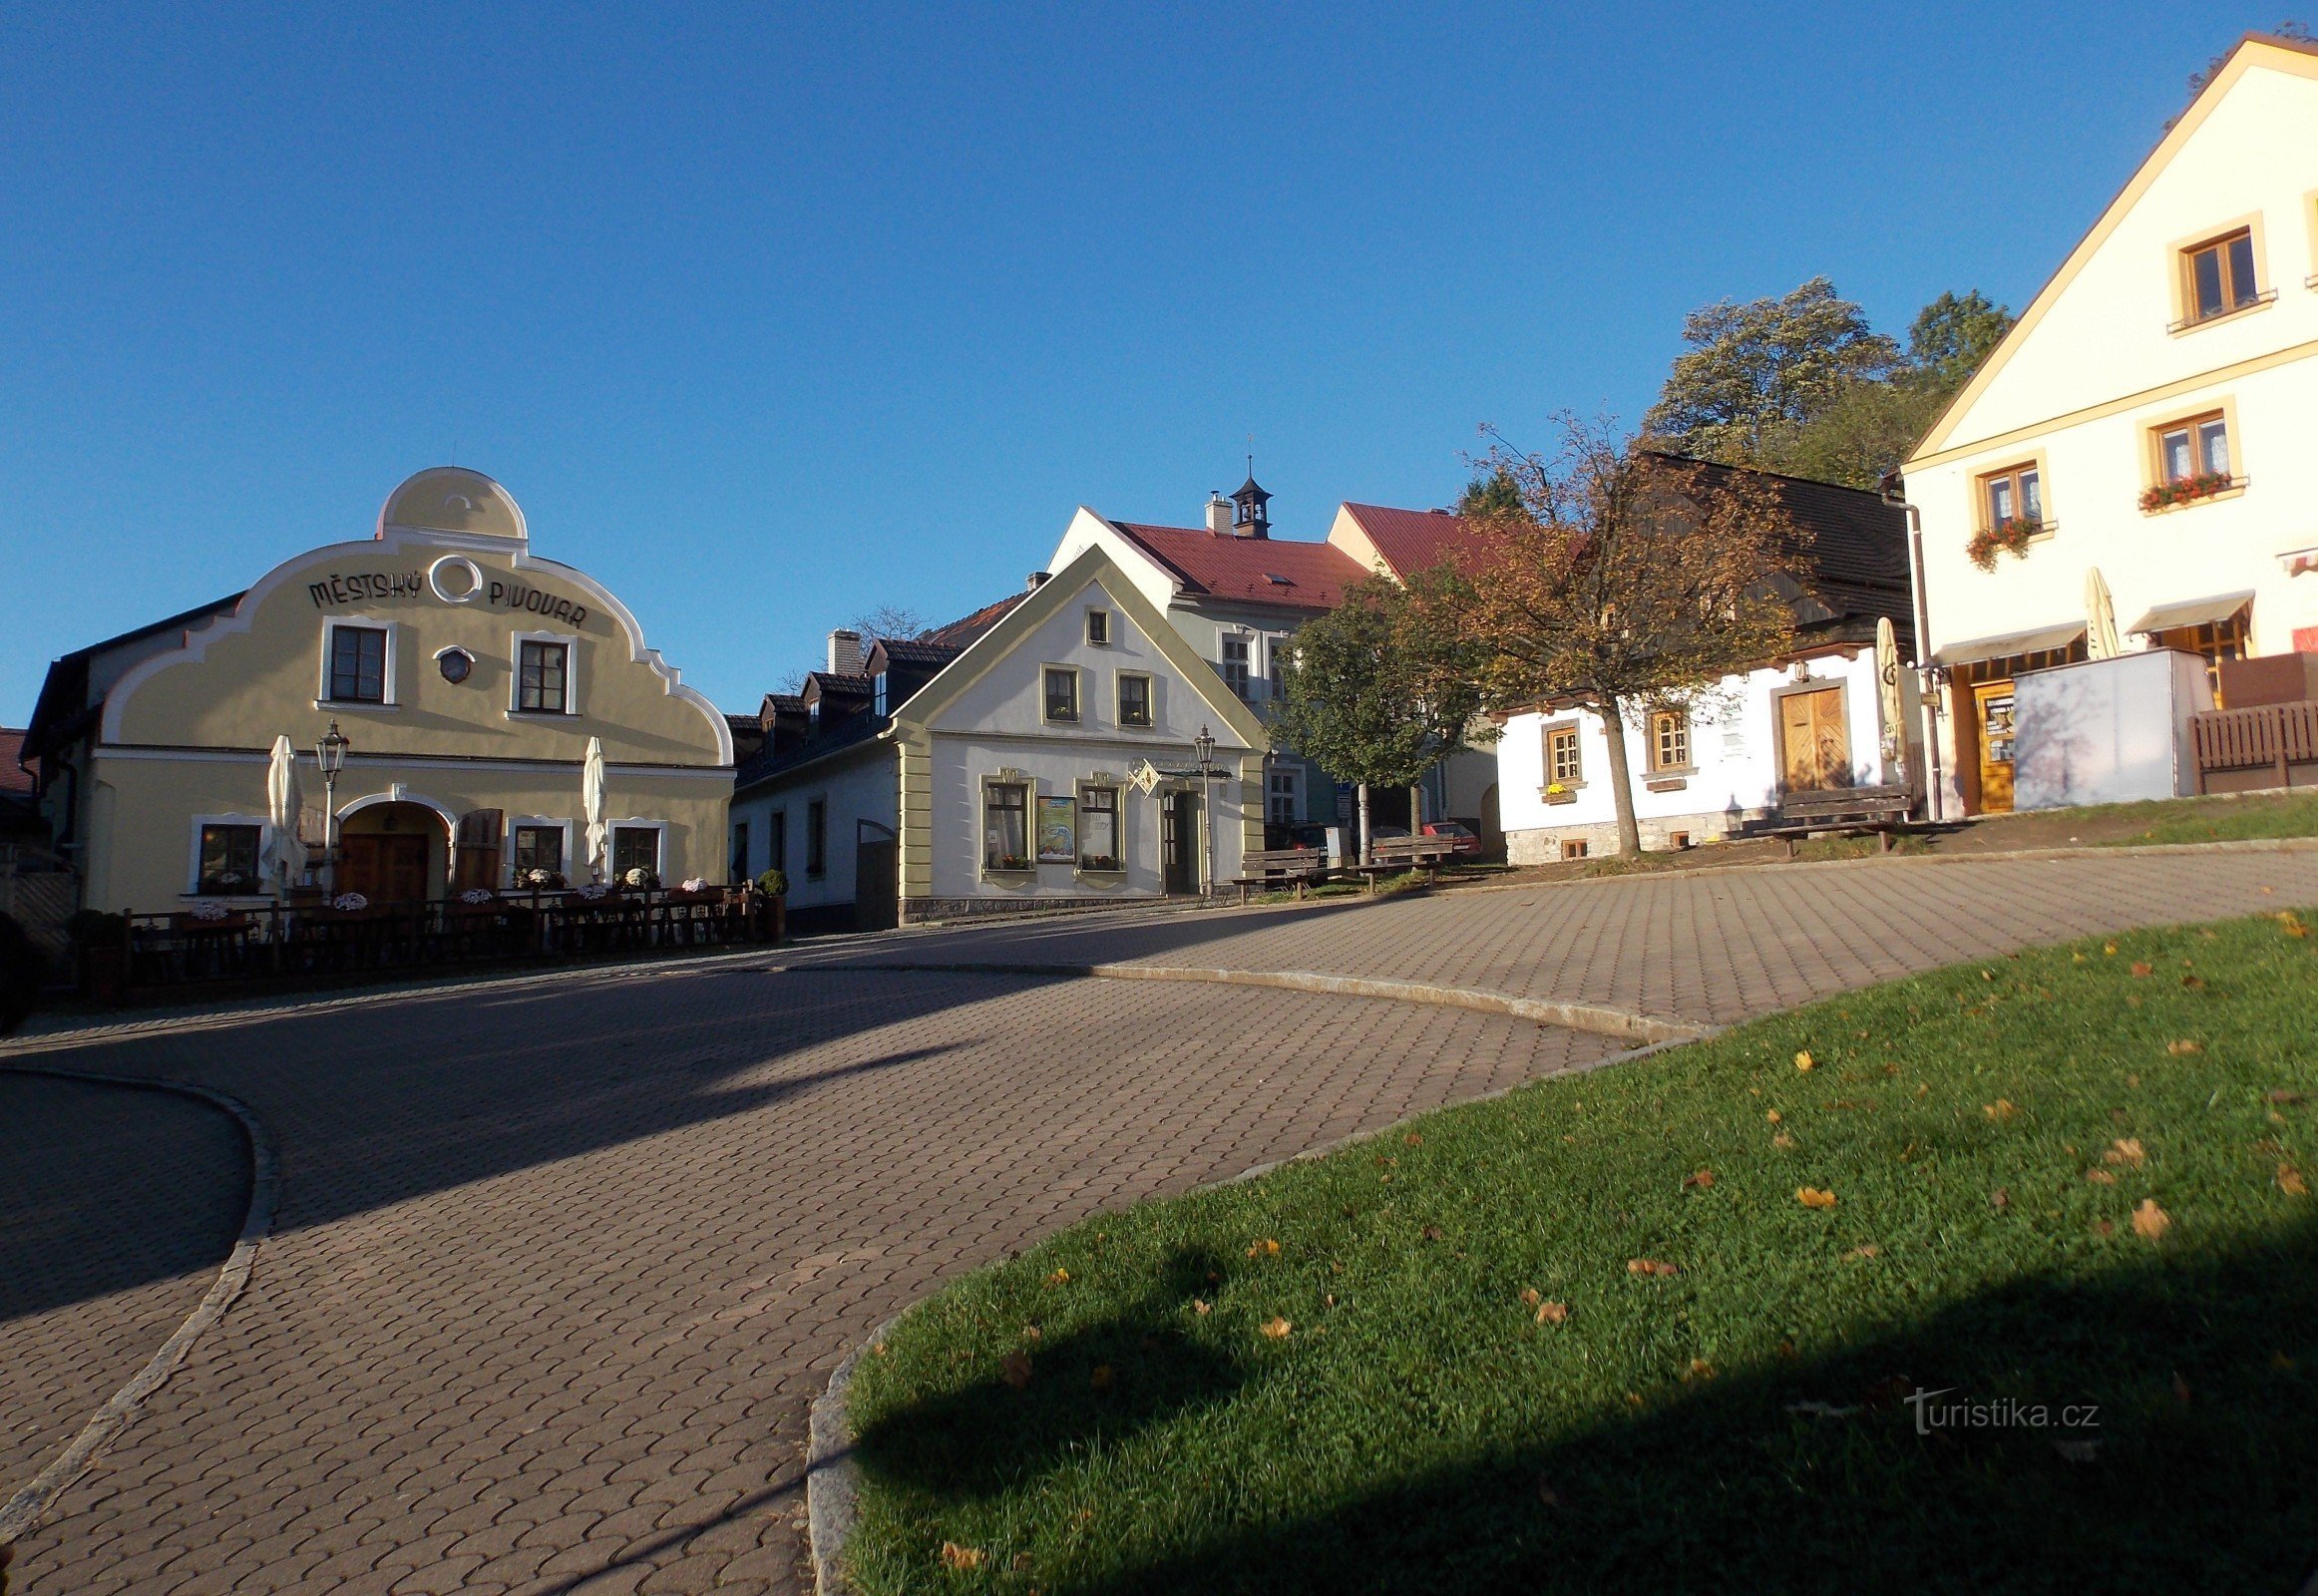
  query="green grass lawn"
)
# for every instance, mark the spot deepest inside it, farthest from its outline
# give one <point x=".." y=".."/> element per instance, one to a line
<point x="2075" y="1177"/>
<point x="2267" y="815"/>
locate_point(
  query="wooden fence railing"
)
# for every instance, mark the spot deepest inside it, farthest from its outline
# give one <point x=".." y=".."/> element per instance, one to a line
<point x="2273" y="735"/>
<point x="267" y="943"/>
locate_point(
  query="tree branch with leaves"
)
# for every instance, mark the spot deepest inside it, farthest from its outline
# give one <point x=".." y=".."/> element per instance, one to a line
<point x="1626" y="580"/>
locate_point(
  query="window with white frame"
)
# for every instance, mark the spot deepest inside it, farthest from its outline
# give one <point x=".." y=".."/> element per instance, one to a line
<point x="358" y="669"/>
<point x="635" y="848"/>
<point x="1279" y="795"/>
<point x="227" y="858"/>
<point x="543" y="676"/>
<point x="1235" y="665"/>
<point x="535" y="848"/>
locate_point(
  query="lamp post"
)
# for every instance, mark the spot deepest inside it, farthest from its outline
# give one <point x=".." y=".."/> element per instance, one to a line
<point x="1205" y="743"/>
<point x="330" y="755"/>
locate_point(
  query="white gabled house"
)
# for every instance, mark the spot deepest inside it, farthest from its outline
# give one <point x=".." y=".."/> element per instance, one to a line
<point x="1817" y="718"/>
<point x="1052" y="759"/>
<point x="2152" y="418"/>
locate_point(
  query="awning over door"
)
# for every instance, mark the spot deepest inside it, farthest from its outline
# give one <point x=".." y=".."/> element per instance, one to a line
<point x="2057" y="636"/>
<point x="2193" y="612"/>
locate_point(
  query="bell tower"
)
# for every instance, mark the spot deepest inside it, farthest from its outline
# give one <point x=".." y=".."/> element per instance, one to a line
<point x="1251" y="513"/>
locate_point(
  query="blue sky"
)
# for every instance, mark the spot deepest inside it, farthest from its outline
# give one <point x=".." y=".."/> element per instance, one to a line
<point x="767" y="317"/>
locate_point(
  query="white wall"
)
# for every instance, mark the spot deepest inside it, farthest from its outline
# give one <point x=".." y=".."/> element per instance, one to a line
<point x="859" y="784"/>
<point x="2082" y="384"/>
<point x="999" y="722"/>
<point x="1734" y="750"/>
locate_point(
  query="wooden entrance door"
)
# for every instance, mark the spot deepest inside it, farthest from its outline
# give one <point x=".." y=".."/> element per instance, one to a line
<point x="386" y="868"/>
<point x="1991" y="715"/>
<point x="1178" y="841"/>
<point x="1815" y="741"/>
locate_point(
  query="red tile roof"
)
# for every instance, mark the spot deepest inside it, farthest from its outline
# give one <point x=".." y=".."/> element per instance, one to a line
<point x="1414" y="540"/>
<point x="13" y="779"/>
<point x="1264" y="570"/>
<point x="958" y="634"/>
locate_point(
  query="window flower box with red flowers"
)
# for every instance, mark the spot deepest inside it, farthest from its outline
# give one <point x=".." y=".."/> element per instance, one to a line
<point x="2187" y="490"/>
<point x="2006" y="536"/>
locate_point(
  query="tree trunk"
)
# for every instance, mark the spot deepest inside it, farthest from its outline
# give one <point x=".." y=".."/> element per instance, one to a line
<point x="1621" y="782"/>
<point x="1362" y="852"/>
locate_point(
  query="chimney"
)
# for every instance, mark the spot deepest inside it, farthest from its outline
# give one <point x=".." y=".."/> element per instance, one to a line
<point x="1037" y="580"/>
<point x="844" y="652"/>
<point x="1219" y="514"/>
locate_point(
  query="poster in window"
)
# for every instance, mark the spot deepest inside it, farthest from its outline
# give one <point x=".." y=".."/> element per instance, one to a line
<point x="1057" y="831"/>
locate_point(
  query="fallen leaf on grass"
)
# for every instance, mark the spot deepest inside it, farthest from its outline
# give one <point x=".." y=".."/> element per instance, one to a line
<point x="2000" y="1199"/>
<point x="1432" y="1233"/>
<point x="2192" y="982"/>
<point x="1060" y="1276"/>
<point x="1803" y="1061"/>
<point x="960" y="1557"/>
<point x="2281" y="1096"/>
<point x="1772" y="1114"/>
<point x="2125" y="1150"/>
<point x="1698" y="1368"/>
<point x="1265" y="1249"/>
<point x="1871" y="1250"/>
<point x="1531" y="1297"/>
<point x="1277" y="1328"/>
<point x="1201" y="1308"/>
<point x="1988" y="974"/>
<point x="2183" y="1048"/>
<point x="2109" y="948"/>
<point x="2290" y="1181"/>
<point x="1552" y="1312"/>
<point x="2142" y="967"/>
<point x="1782" y="1139"/>
<point x="1649" y="1266"/>
<point x="2100" y="1177"/>
<point x="1014" y="1370"/>
<point x="2000" y="1110"/>
<point x="2150" y="1221"/>
<point x="1813" y="1197"/>
<point x="1102" y="1378"/>
<point x="1703" y="1179"/>
<point x="1412" y="1139"/>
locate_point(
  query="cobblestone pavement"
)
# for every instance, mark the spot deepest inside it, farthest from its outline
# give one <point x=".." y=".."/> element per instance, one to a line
<point x="119" y="1206"/>
<point x="561" y="1261"/>
<point x="1709" y="948"/>
<point x="559" y="1269"/>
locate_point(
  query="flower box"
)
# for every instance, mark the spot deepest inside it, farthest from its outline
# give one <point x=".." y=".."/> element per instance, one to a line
<point x="1559" y="795"/>
<point x="1101" y="864"/>
<point x="1018" y="862"/>
<point x="2185" y="490"/>
<point x="2006" y="536"/>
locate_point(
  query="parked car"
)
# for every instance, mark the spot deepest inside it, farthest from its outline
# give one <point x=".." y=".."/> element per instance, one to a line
<point x="1328" y="840"/>
<point x="1468" y="845"/>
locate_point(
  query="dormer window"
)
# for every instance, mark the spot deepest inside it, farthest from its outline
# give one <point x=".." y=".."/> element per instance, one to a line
<point x="878" y="688"/>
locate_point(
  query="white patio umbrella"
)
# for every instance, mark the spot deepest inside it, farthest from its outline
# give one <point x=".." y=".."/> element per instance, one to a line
<point x="281" y="812"/>
<point x="592" y="804"/>
<point x="2099" y="616"/>
<point x="1888" y="690"/>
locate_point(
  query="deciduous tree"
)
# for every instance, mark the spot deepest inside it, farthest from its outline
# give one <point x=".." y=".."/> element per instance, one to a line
<point x="1382" y="687"/>
<point x="1753" y="370"/>
<point x="1628" y="580"/>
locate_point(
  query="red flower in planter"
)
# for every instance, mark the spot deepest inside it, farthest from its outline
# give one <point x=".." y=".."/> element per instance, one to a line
<point x="2007" y="536"/>
<point x="2187" y="490"/>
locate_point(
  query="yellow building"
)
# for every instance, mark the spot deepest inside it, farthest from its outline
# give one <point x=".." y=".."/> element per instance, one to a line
<point x="469" y="677"/>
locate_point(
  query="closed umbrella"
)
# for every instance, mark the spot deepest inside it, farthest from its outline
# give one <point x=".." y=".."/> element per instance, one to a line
<point x="591" y="803"/>
<point x="281" y="812"/>
<point x="2099" y="616"/>
<point x="1888" y="690"/>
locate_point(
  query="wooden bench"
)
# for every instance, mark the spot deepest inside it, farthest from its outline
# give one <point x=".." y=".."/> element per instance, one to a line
<point x="1270" y="868"/>
<point x="1393" y="856"/>
<point x="1846" y="810"/>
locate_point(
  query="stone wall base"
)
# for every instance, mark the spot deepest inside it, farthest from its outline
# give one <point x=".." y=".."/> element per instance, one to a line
<point x="1545" y="845"/>
<point x="918" y="911"/>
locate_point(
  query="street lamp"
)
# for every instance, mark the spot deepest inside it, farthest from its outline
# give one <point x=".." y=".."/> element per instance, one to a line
<point x="330" y="755"/>
<point x="1205" y="743"/>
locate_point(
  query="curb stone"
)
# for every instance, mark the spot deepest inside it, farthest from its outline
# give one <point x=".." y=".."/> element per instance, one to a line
<point x="24" y="1510"/>
<point x="833" y="1481"/>
<point x="1591" y="1017"/>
